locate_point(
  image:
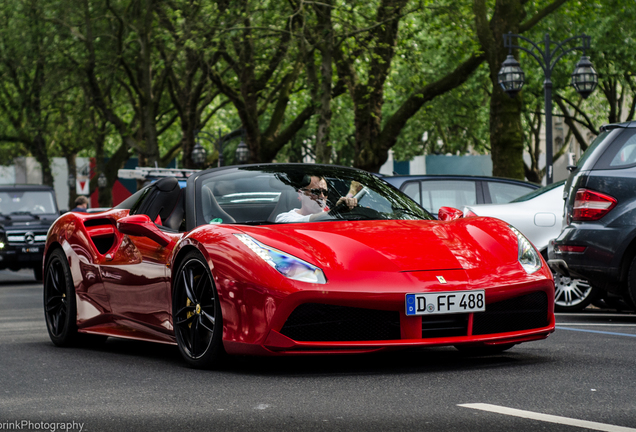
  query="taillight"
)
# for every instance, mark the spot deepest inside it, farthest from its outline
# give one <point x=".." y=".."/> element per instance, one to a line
<point x="590" y="205"/>
<point x="566" y="248"/>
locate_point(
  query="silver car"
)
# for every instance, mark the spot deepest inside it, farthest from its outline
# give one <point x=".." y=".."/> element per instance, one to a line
<point x="538" y="215"/>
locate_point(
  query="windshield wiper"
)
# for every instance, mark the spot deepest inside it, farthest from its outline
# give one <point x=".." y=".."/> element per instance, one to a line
<point x="25" y="213"/>
<point x="255" y="222"/>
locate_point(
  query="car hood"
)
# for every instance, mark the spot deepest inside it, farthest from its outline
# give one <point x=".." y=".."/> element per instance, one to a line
<point x="19" y="221"/>
<point x="403" y="246"/>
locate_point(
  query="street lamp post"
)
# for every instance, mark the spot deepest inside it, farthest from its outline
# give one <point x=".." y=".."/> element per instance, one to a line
<point x="70" y="181"/>
<point x="218" y="143"/>
<point x="199" y="154"/>
<point x="242" y="151"/>
<point x="511" y="78"/>
<point x="102" y="181"/>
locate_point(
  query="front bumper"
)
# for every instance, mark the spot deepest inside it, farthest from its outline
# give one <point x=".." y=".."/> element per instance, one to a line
<point x="17" y="257"/>
<point x="520" y="315"/>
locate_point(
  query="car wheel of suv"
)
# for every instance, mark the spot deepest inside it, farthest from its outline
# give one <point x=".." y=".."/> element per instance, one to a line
<point x="571" y="295"/>
<point x="609" y="301"/>
<point x="630" y="297"/>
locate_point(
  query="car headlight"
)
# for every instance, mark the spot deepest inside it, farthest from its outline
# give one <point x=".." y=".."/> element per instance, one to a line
<point x="528" y="256"/>
<point x="286" y="264"/>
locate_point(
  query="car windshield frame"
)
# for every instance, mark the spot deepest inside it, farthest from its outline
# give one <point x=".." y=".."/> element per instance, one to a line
<point x="256" y="194"/>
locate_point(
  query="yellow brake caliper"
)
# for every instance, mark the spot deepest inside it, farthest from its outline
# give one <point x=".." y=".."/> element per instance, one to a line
<point x="189" y="314"/>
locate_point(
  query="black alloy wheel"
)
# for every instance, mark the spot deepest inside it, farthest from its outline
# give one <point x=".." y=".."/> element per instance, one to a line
<point x="59" y="300"/>
<point x="196" y="314"/>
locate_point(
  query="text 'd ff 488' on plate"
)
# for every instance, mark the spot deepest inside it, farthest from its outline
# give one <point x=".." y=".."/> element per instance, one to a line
<point x="445" y="302"/>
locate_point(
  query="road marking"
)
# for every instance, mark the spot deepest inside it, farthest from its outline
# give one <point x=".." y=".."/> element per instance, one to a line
<point x="569" y="314"/>
<point x="548" y="418"/>
<point x="599" y="325"/>
<point x="597" y="331"/>
<point x="23" y="325"/>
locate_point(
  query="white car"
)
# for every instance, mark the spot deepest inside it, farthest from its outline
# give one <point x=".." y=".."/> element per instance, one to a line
<point x="539" y="215"/>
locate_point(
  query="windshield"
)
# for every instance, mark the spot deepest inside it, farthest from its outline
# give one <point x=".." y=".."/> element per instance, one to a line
<point x="27" y="202"/>
<point x="539" y="191"/>
<point x="293" y="193"/>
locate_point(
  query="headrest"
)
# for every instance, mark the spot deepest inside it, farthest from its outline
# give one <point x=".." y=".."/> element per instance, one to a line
<point x="166" y="184"/>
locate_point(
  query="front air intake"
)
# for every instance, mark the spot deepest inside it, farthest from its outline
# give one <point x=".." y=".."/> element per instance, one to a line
<point x="315" y="322"/>
<point x="520" y="313"/>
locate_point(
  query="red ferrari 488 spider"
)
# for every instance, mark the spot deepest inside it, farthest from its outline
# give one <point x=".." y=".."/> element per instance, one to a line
<point x="291" y="259"/>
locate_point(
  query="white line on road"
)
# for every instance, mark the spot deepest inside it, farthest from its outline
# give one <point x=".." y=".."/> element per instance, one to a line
<point x="596" y="331"/>
<point x="595" y="325"/>
<point x="548" y="418"/>
<point x="595" y="315"/>
<point x="23" y="325"/>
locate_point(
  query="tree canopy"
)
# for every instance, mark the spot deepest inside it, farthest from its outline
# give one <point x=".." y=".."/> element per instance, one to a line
<point x="342" y="82"/>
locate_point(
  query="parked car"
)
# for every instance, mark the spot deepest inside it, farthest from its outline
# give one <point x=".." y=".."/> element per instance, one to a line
<point x="435" y="191"/>
<point x="208" y="268"/>
<point x="26" y="213"/>
<point x="538" y="215"/>
<point x="598" y="241"/>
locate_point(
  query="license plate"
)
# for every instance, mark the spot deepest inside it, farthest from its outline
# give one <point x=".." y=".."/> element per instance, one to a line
<point x="30" y="249"/>
<point x="445" y="302"/>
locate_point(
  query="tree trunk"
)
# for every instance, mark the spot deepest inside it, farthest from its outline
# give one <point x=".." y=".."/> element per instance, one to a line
<point x="325" y="46"/>
<point x="39" y="151"/>
<point x="506" y="135"/>
<point x="72" y="170"/>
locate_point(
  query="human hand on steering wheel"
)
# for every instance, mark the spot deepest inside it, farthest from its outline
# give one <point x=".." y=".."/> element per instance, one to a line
<point x="349" y="202"/>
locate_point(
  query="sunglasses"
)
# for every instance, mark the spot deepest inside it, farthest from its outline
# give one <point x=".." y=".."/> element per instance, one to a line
<point x="316" y="191"/>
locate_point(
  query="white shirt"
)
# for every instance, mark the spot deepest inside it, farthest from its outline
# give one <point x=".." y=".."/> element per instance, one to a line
<point x="292" y="216"/>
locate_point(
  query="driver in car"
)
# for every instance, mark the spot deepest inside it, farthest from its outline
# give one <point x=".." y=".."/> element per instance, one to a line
<point x="313" y="198"/>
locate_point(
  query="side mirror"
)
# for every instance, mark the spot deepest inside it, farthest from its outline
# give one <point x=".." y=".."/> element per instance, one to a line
<point x="449" y="214"/>
<point x="141" y="225"/>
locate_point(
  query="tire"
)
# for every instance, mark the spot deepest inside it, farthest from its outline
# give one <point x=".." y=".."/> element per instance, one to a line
<point x="572" y="295"/>
<point x="609" y="301"/>
<point x="630" y="296"/>
<point x="479" y="350"/>
<point x="196" y="314"/>
<point x="60" y="309"/>
<point x="37" y="273"/>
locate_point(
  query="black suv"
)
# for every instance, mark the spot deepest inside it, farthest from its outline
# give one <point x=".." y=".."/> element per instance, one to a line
<point x="26" y="212"/>
<point x="598" y="241"/>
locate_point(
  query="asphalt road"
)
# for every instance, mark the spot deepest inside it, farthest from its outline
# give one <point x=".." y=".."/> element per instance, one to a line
<point x="585" y="372"/>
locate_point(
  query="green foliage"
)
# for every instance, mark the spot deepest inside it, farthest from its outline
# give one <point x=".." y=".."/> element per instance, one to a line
<point x="166" y="69"/>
